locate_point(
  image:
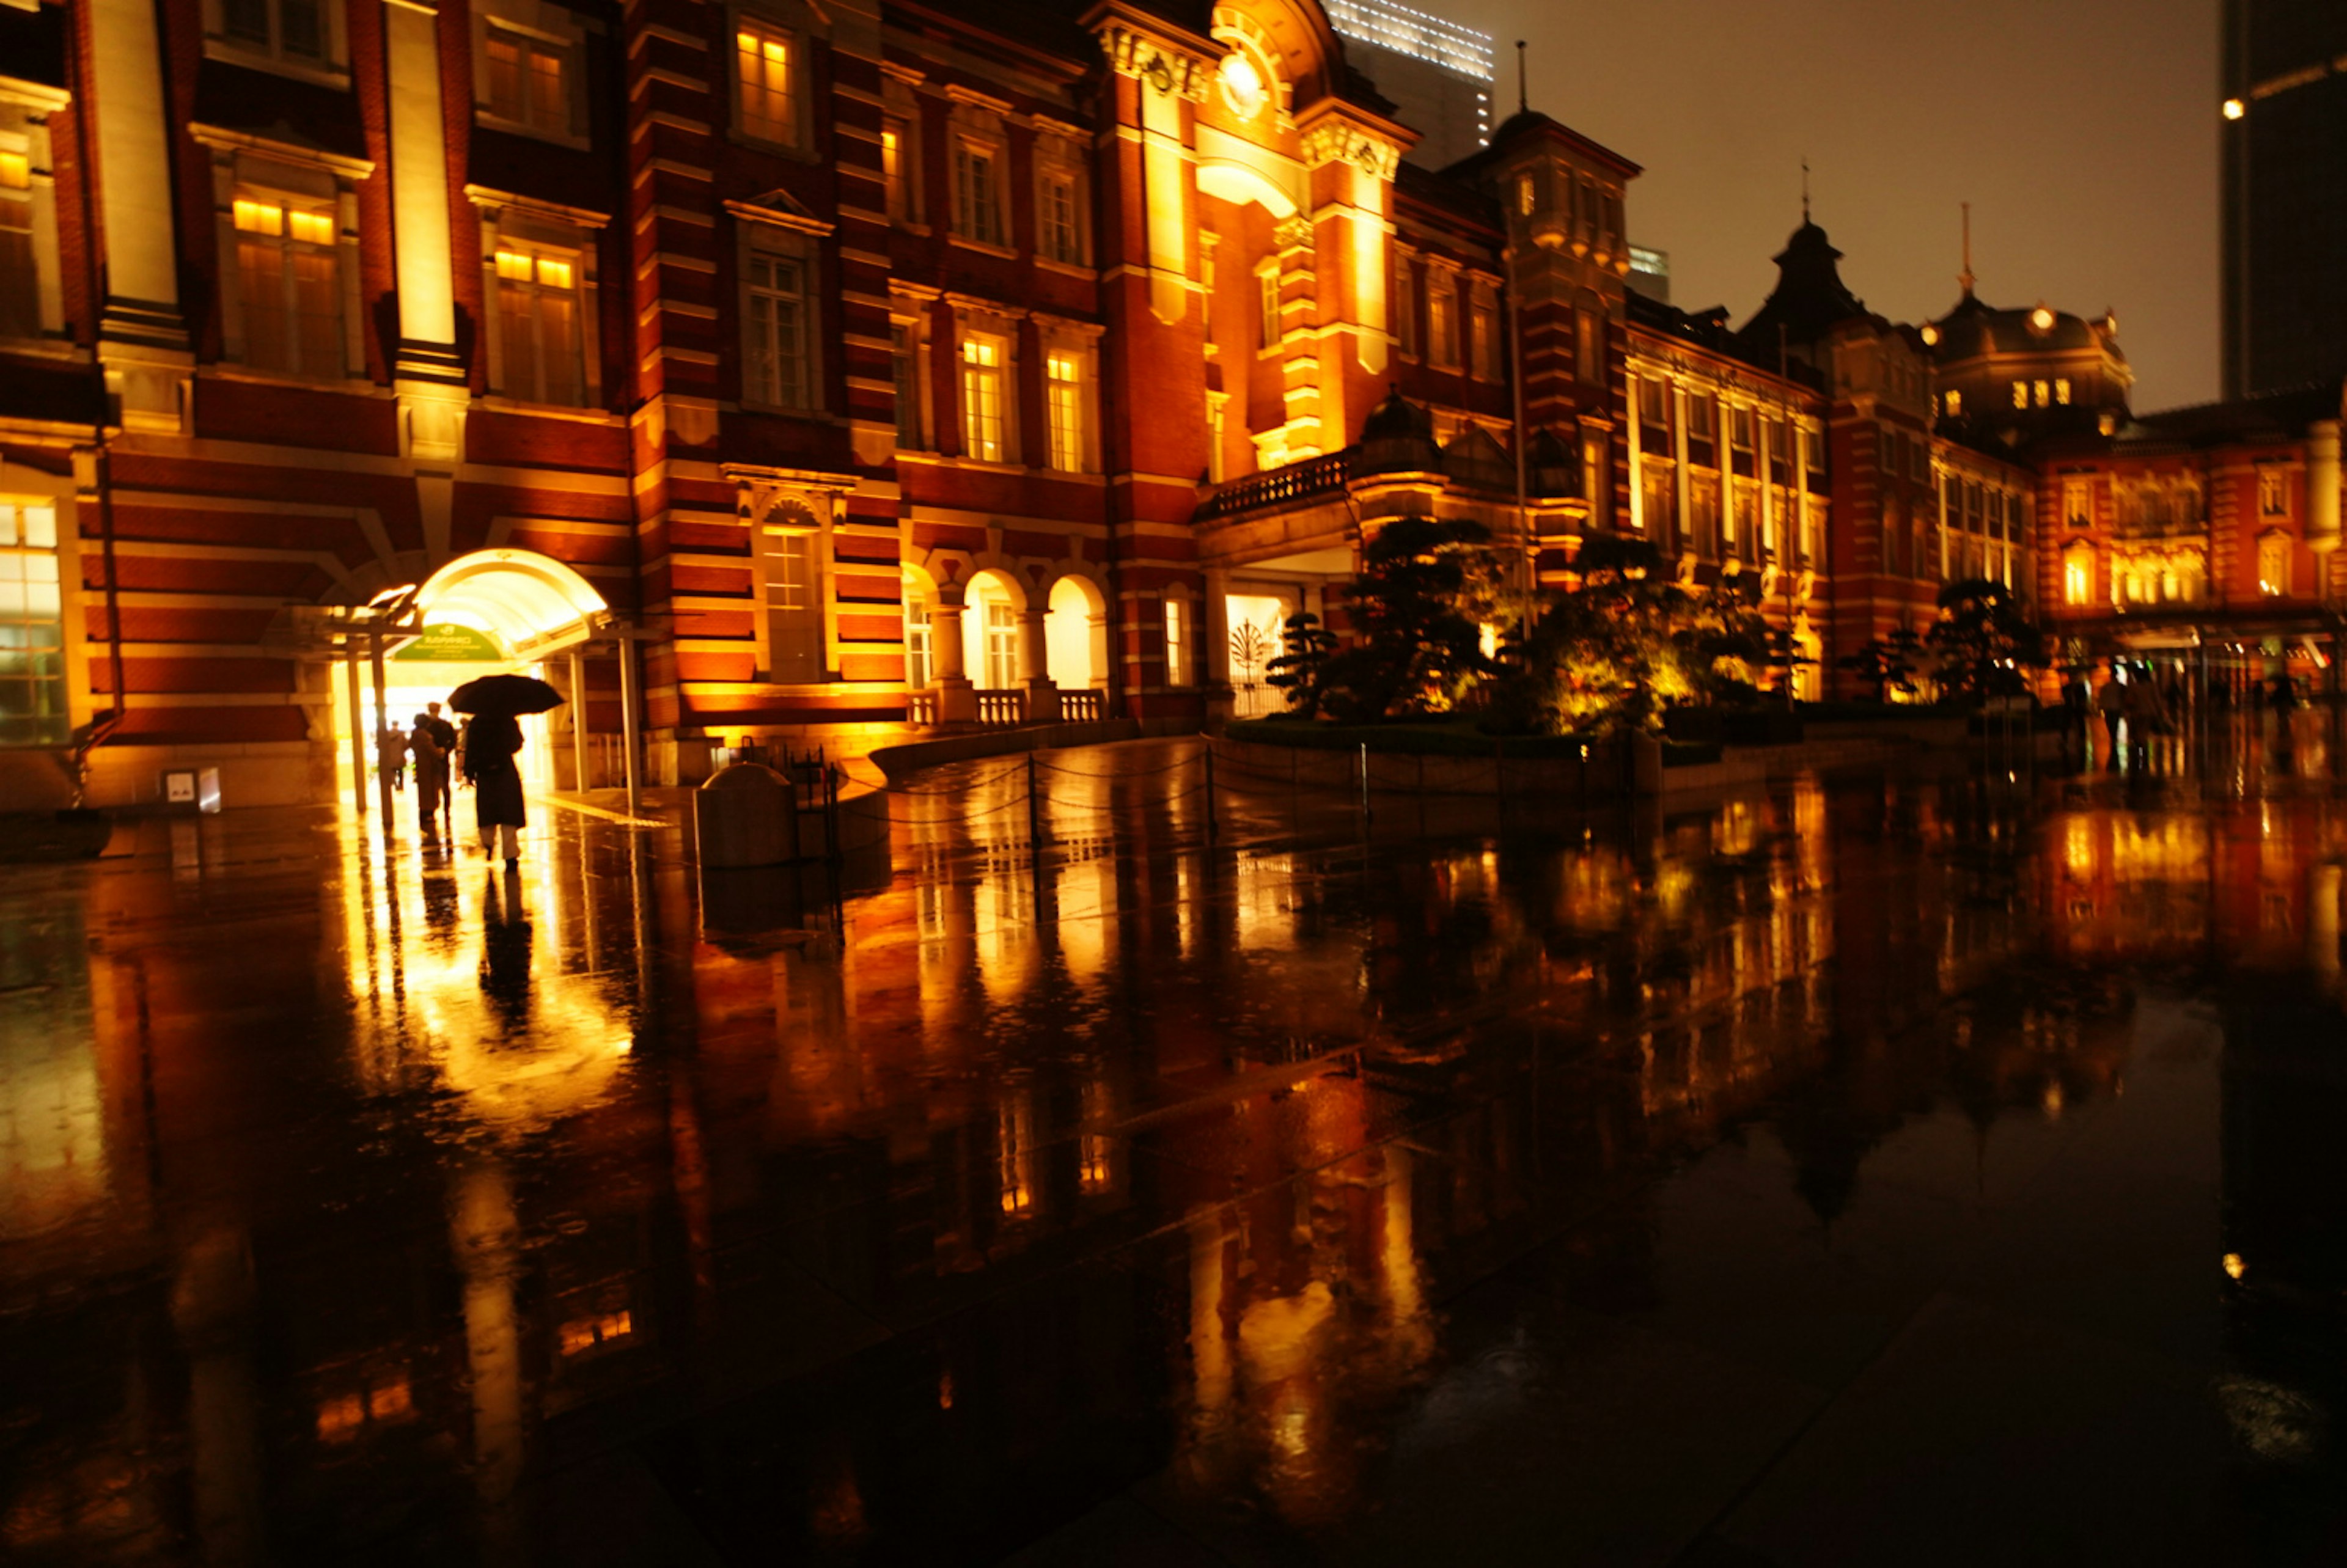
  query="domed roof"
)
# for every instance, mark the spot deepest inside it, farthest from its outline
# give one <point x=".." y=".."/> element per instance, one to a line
<point x="1809" y="298"/>
<point x="1975" y="329"/>
<point x="1398" y="438"/>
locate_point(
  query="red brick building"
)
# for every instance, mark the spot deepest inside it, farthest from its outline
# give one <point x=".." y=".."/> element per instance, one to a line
<point x="798" y="371"/>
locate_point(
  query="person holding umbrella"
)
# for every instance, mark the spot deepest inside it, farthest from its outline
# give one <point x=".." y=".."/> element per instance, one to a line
<point x="490" y="743"/>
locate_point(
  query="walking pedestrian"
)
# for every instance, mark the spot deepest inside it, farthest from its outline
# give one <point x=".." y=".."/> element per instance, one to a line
<point x="2146" y="715"/>
<point x="442" y="730"/>
<point x="490" y="742"/>
<point x="431" y="761"/>
<point x="2077" y="716"/>
<point x="2111" y="702"/>
<point x="391" y="754"/>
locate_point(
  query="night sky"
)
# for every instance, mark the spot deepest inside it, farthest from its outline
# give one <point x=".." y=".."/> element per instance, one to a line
<point x="2083" y="133"/>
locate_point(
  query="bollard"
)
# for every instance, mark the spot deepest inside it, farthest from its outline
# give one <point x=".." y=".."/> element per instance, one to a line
<point x="1364" y="784"/>
<point x="746" y="815"/>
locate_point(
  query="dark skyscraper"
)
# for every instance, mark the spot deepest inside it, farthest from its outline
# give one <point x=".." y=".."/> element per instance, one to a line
<point x="2285" y="194"/>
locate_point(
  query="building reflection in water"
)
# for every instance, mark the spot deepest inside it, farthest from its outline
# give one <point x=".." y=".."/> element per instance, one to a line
<point x="429" y="1170"/>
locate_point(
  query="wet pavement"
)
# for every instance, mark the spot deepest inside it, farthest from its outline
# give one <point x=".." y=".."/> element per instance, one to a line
<point x="1932" y="1167"/>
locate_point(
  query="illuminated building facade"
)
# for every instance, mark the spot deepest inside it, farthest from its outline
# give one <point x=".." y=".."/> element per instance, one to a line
<point x="788" y="374"/>
<point x="2283" y="154"/>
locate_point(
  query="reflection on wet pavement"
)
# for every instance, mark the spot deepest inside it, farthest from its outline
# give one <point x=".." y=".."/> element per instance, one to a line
<point x="1920" y="1168"/>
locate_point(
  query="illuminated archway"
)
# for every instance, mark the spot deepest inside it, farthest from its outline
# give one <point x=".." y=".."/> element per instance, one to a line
<point x="533" y="603"/>
<point x="1075" y="635"/>
<point x="994" y="608"/>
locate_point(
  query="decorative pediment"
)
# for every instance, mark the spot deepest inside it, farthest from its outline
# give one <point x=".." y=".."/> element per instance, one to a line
<point x="1160" y="65"/>
<point x="783" y="209"/>
<point x="1337" y="140"/>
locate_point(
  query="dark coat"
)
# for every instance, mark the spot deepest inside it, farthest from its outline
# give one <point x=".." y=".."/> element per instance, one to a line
<point x="490" y="743"/>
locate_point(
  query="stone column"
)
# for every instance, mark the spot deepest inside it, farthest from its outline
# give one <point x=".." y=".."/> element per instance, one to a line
<point x="957" y="697"/>
<point x="1214" y="634"/>
<point x="1637" y="473"/>
<point x="1034" y="669"/>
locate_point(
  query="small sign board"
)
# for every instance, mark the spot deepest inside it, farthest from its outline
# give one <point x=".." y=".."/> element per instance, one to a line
<point x="444" y="643"/>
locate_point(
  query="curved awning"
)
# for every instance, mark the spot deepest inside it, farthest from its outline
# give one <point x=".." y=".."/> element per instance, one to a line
<point x="535" y="603"/>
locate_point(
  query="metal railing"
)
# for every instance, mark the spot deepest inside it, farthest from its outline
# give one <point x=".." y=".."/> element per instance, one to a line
<point x="1313" y="477"/>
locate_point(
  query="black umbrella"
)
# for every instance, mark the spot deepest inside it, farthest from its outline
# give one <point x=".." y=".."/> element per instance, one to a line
<point x="504" y="694"/>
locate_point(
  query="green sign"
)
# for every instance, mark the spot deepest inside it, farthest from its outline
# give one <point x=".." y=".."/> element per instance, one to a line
<point x="446" y="644"/>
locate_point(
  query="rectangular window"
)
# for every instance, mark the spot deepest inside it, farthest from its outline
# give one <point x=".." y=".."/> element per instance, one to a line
<point x="526" y="83"/>
<point x="20" y="275"/>
<point x="1595" y="485"/>
<point x="2273" y="565"/>
<point x="1267" y="301"/>
<point x="893" y="147"/>
<point x="33" y="710"/>
<point x="1589" y="343"/>
<point x="538" y="328"/>
<point x="920" y="659"/>
<point x="1215" y="432"/>
<point x="289" y="282"/>
<point x="904" y="344"/>
<point x="1702" y="418"/>
<point x="761" y="72"/>
<point x="982" y="367"/>
<point x="1741" y="429"/>
<point x="977" y="206"/>
<point x="2062" y="390"/>
<point x="1405" y="308"/>
<point x="2044" y="393"/>
<point x="294" y="29"/>
<point x="1527" y="193"/>
<point x="1065" y="406"/>
<point x="2273" y="493"/>
<point x="1654" y="403"/>
<point x="1056" y="214"/>
<point x="1480" y="341"/>
<point x="1177" y="663"/>
<point x="794" y="608"/>
<point x="1442" y="327"/>
<point x="1002" y="645"/>
<point x="776" y="368"/>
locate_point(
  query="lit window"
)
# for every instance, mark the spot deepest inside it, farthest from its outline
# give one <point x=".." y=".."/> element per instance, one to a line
<point x="2078" y="575"/>
<point x="32" y="706"/>
<point x="20" y="275"/>
<point x="982" y="398"/>
<point x="526" y="85"/>
<point x="977" y="206"/>
<point x="1064" y="394"/>
<point x="2020" y="395"/>
<point x="1267" y="292"/>
<point x="1527" y="194"/>
<point x="2062" y="391"/>
<point x="1177" y="662"/>
<point x="2273" y="564"/>
<point x="538" y="328"/>
<point x="2044" y="393"/>
<point x="920" y="642"/>
<point x="761" y="65"/>
<point x="581" y="1334"/>
<point x="1956" y="405"/>
<point x="892" y="167"/>
<point x="1002" y="645"/>
<point x="776" y="368"/>
<point x="289" y="281"/>
<point x="1062" y="239"/>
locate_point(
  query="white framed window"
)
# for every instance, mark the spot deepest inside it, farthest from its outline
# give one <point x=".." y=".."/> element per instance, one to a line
<point x="34" y="710"/>
<point x="2273" y="492"/>
<point x="766" y="73"/>
<point x="1654" y="402"/>
<point x="1001" y="644"/>
<point x="920" y="635"/>
<point x="978" y="193"/>
<point x="795" y="592"/>
<point x="985" y="401"/>
<point x="1063" y="407"/>
<point x="777" y="320"/>
<point x="289" y="282"/>
<point x="539" y="325"/>
<point x="1061" y="219"/>
<point x="1177" y="644"/>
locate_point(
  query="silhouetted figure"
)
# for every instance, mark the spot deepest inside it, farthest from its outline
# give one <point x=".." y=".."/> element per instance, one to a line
<point x="2111" y="700"/>
<point x="431" y="760"/>
<point x="490" y="744"/>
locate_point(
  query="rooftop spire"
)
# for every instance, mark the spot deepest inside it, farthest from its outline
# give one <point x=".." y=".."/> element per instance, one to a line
<point x="1524" y="98"/>
<point x="1965" y="278"/>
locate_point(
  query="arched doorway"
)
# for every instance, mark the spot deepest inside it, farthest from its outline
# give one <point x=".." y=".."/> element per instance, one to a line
<point x="1075" y="636"/>
<point x="497" y="611"/>
<point x="992" y="608"/>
